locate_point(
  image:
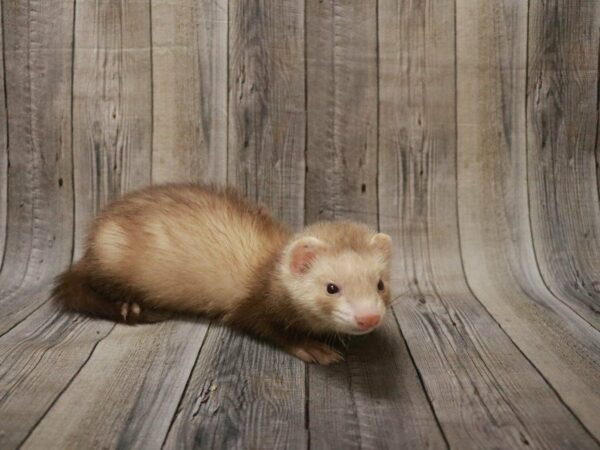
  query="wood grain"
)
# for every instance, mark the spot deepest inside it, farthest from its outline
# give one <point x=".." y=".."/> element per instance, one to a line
<point x="242" y="394"/>
<point x="266" y="105"/>
<point x="494" y="207"/>
<point x="3" y="148"/>
<point x="38" y="360"/>
<point x="374" y="399"/>
<point x="112" y="114"/>
<point x="562" y="137"/>
<point x="189" y="69"/>
<point x="39" y="217"/>
<point x="351" y="404"/>
<point x="341" y="153"/>
<point x="465" y="359"/>
<point x="143" y="370"/>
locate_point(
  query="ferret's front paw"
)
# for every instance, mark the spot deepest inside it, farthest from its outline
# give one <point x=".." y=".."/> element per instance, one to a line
<point x="316" y="352"/>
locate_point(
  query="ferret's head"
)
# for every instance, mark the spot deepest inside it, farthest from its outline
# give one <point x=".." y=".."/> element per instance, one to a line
<point x="338" y="274"/>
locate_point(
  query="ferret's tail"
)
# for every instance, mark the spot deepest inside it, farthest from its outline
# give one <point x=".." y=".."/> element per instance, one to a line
<point x="73" y="292"/>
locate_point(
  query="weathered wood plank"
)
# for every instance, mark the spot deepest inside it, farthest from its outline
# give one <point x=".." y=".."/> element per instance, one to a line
<point x="38" y="360"/>
<point x="189" y="48"/>
<point x="466" y="361"/>
<point x="266" y="104"/>
<point x="112" y="114"/>
<point x="561" y="142"/>
<point x="3" y="146"/>
<point x="373" y="399"/>
<point x="143" y="371"/>
<point x="496" y="239"/>
<point x="242" y="394"/>
<point x="113" y="73"/>
<point x="341" y="155"/>
<point x="39" y="218"/>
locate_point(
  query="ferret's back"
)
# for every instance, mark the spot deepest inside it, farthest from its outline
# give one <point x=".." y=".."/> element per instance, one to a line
<point x="185" y="243"/>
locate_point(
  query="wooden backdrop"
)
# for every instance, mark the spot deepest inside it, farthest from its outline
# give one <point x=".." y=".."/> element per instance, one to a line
<point x="466" y="129"/>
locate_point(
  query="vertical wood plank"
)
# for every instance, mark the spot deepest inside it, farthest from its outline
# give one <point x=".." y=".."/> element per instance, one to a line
<point x="496" y="236"/>
<point x="113" y="81"/>
<point x="353" y="404"/>
<point x="112" y="121"/>
<point x="466" y="361"/>
<point x="266" y="105"/>
<point x="189" y="51"/>
<point x="38" y="60"/>
<point x="342" y="110"/>
<point x="561" y="142"/>
<point x="3" y="145"/>
<point x="245" y="393"/>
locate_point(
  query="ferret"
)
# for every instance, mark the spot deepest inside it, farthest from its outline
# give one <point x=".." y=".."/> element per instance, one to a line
<point x="191" y="249"/>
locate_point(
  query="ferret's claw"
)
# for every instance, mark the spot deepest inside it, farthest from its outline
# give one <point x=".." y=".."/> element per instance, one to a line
<point x="317" y="352"/>
<point x="124" y="311"/>
<point x="131" y="310"/>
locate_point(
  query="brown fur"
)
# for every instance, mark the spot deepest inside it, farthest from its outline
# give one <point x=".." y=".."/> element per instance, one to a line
<point x="184" y="248"/>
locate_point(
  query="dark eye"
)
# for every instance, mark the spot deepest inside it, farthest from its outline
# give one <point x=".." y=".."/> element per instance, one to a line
<point x="332" y="289"/>
<point x="380" y="285"/>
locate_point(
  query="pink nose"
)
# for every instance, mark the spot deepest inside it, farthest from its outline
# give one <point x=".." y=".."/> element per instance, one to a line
<point x="367" y="321"/>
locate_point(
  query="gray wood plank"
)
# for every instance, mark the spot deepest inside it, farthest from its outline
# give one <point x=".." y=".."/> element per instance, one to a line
<point x="112" y="114"/>
<point x="373" y="399"/>
<point x="142" y="371"/>
<point x="39" y="216"/>
<point x="242" y="394"/>
<point x="189" y="59"/>
<point x="341" y="155"/>
<point x="3" y="146"/>
<point x="494" y="208"/>
<point x="38" y="360"/>
<point x="266" y="105"/>
<point x="484" y="392"/>
<point x="561" y="141"/>
<point x="131" y="367"/>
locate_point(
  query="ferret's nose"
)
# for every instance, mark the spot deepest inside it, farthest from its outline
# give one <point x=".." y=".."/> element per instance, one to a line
<point x="367" y="321"/>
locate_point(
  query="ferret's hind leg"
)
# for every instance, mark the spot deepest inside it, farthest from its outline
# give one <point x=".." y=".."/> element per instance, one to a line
<point x="133" y="313"/>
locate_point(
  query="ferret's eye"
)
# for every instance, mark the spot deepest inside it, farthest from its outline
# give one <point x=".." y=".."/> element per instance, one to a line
<point x="380" y="285"/>
<point x="332" y="289"/>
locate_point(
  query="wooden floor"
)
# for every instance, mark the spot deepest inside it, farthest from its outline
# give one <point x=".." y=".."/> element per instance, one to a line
<point x="466" y="129"/>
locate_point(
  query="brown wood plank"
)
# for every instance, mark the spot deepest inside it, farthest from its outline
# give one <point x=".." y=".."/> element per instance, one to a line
<point x="561" y="141"/>
<point x="189" y="58"/>
<point x="374" y="398"/>
<point x="266" y="104"/>
<point x="39" y="217"/>
<point x="496" y="237"/>
<point x="143" y="371"/>
<point x="341" y="155"/>
<point x="484" y="392"/>
<point x="38" y="360"/>
<point x="242" y="394"/>
<point x="112" y="114"/>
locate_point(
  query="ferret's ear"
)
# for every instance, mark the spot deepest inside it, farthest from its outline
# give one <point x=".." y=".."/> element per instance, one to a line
<point x="383" y="243"/>
<point x="303" y="252"/>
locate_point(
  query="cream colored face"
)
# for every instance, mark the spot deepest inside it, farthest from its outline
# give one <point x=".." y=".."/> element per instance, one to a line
<point x="349" y="292"/>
